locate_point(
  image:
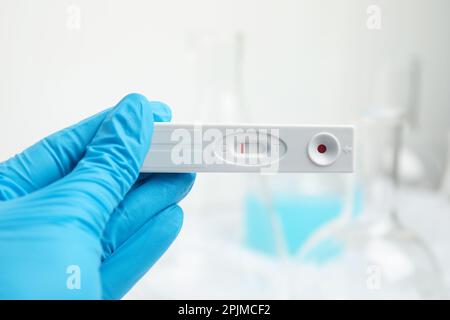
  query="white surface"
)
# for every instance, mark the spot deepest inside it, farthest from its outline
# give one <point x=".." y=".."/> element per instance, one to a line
<point x="209" y="261"/>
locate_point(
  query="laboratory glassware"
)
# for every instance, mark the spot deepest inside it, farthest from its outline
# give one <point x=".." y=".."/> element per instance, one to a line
<point x="375" y="256"/>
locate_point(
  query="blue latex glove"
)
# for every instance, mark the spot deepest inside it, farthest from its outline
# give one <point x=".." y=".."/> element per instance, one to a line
<point x="77" y="221"/>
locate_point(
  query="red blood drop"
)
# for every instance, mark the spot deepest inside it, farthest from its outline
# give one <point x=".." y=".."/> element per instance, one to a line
<point x="321" y="148"/>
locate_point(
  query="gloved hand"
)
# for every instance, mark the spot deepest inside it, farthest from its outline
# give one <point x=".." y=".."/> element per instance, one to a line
<point x="76" y="218"/>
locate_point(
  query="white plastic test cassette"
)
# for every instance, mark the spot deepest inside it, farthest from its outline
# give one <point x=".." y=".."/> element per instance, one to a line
<point x="250" y="148"/>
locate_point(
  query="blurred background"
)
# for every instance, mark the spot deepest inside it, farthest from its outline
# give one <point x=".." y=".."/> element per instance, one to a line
<point x="380" y="65"/>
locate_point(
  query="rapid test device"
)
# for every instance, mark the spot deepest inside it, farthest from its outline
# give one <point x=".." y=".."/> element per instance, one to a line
<point x="250" y="148"/>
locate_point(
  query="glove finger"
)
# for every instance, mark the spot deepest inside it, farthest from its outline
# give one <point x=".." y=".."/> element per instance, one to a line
<point x="160" y="191"/>
<point x="48" y="160"/>
<point x="56" y="155"/>
<point x="111" y="163"/>
<point x="120" y="272"/>
<point x="161" y="112"/>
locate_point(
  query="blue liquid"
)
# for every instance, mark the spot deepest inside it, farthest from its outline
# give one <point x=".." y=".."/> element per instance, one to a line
<point x="299" y="217"/>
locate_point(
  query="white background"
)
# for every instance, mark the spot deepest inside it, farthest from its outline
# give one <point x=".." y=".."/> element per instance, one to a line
<point x="304" y="61"/>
